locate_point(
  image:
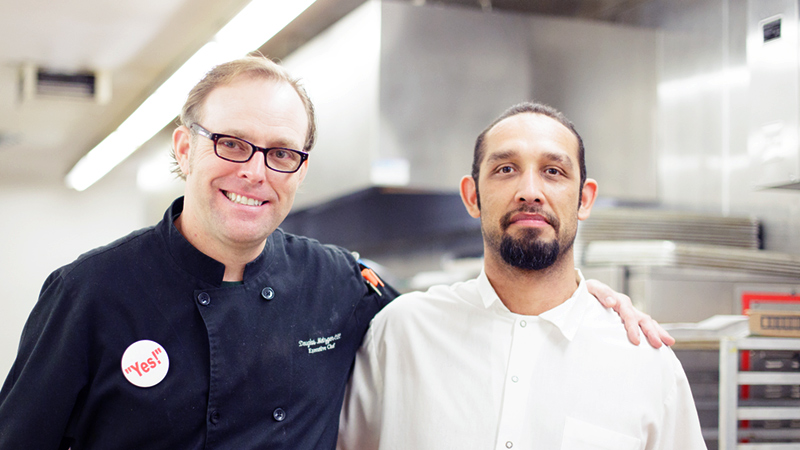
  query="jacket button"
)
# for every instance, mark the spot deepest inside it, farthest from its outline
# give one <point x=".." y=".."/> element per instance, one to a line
<point x="279" y="414"/>
<point x="214" y="417"/>
<point x="267" y="293"/>
<point x="203" y="298"/>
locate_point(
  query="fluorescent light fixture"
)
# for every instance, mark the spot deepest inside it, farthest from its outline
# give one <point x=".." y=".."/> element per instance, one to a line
<point x="250" y="29"/>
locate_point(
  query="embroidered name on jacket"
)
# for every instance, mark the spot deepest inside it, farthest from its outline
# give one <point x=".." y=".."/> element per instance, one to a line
<point x="321" y="344"/>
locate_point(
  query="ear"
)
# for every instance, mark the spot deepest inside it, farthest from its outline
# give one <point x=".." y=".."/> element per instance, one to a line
<point x="469" y="195"/>
<point x="181" y="144"/>
<point x="588" y="196"/>
<point x="302" y="172"/>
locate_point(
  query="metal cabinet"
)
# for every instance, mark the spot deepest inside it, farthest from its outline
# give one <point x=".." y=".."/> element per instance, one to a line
<point x="732" y="410"/>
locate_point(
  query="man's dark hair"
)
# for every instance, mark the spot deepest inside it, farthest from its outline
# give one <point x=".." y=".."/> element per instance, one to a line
<point x="526" y="107"/>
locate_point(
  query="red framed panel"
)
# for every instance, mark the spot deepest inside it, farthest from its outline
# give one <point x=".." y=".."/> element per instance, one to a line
<point x="748" y="300"/>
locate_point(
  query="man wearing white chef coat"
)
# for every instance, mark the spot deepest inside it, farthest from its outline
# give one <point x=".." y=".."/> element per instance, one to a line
<point x="523" y="357"/>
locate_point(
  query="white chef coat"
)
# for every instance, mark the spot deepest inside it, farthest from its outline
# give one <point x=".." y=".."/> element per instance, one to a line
<point x="453" y="368"/>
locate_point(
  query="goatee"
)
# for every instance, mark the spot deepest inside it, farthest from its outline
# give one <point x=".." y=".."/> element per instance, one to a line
<point x="528" y="252"/>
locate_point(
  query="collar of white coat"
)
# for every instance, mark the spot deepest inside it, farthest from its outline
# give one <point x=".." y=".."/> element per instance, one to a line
<point x="566" y="317"/>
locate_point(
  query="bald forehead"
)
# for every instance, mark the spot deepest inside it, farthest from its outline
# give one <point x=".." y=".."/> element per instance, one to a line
<point x="527" y="125"/>
<point x="534" y="123"/>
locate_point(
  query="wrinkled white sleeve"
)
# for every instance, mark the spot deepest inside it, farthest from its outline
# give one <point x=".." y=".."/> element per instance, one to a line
<point x="361" y="417"/>
<point x="680" y="426"/>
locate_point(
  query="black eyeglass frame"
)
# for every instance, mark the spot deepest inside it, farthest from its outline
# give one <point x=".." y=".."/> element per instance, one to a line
<point x="214" y="137"/>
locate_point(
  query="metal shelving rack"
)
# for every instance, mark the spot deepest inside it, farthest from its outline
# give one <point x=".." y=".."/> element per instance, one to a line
<point x="731" y="412"/>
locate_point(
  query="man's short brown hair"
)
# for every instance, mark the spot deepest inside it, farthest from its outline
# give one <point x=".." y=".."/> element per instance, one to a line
<point x="255" y="66"/>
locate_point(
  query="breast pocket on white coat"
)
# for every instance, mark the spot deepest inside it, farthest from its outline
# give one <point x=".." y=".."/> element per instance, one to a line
<point x="579" y="435"/>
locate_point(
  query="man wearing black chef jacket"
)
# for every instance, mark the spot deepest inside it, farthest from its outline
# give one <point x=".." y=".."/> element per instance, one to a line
<point x="214" y="328"/>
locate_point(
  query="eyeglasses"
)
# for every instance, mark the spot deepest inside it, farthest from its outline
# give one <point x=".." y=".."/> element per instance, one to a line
<point x="233" y="149"/>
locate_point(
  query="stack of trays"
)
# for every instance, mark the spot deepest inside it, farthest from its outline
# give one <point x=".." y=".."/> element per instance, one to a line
<point x="614" y="224"/>
<point x="670" y="253"/>
<point x="628" y="224"/>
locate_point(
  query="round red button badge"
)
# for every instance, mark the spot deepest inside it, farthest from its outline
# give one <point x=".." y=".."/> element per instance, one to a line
<point x="145" y="363"/>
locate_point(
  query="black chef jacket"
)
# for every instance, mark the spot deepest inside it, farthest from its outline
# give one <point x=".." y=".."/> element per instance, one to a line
<point x="260" y="365"/>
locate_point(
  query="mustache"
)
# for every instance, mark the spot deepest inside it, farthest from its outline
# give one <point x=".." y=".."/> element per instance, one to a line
<point x="505" y="221"/>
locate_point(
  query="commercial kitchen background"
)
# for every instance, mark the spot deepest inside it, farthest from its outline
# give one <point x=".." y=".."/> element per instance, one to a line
<point x="675" y="115"/>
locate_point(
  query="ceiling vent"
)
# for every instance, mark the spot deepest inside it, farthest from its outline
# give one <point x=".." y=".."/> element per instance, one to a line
<point x="43" y="83"/>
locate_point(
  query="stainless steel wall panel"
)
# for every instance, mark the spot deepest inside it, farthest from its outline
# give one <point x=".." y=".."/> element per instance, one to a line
<point x="774" y="112"/>
<point x="663" y="106"/>
<point x="402" y="91"/>
<point x="603" y="77"/>
<point x="340" y="69"/>
<point x="445" y="74"/>
<point x="690" y="106"/>
<point x="703" y="158"/>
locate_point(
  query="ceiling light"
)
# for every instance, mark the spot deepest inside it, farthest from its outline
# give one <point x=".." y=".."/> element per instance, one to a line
<point x="250" y="29"/>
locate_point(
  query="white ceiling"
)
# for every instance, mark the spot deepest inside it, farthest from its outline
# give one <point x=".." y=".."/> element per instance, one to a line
<point x="138" y="42"/>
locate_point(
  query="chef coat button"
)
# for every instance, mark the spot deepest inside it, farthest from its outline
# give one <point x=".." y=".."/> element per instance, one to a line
<point x="203" y="298"/>
<point x="522" y="323"/>
<point x="214" y="417"/>
<point x="279" y="414"/>
<point x="267" y="293"/>
<point x="514" y="379"/>
<point x="509" y="444"/>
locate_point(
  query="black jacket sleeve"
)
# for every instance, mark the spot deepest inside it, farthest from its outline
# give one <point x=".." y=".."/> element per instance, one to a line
<point x="49" y="373"/>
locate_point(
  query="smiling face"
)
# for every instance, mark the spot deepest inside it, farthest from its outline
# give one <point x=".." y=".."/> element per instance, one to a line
<point x="231" y="208"/>
<point x="530" y="193"/>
